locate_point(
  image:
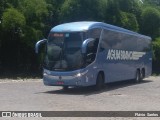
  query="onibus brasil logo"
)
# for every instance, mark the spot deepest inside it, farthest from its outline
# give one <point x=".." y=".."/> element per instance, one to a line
<point x="21" y="114"/>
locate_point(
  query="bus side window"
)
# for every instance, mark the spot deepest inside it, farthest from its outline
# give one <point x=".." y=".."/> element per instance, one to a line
<point x="110" y="40"/>
<point x="93" y="46"/>
<point x="95" y="34"/>
<point x="104" y="42"/>
<point x="92" y="50"/>
<point x="143" y="45"/>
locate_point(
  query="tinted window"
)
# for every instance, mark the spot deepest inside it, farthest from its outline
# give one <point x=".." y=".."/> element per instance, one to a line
<point x="122" y="41"/>
<point x="117" y="40"/>
<point x="63" y="52"/>
<point x="111" y="39"/>
<point x="143" y="45"/>
<point x="94" y="33"/>
<point x="129" y="42"/>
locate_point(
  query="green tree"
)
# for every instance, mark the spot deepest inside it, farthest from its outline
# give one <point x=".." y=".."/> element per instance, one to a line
<point x="131" y="6"/>
<point x="34" y="10"/>
<point x="12" y="19"/>
<point x="112" y="15"/>
<point x="152" y="2"/>
<point x="151" y="22"/>
<point x="13" y="3"/>
<point x="129" y="21"/>
<point x="23" y="22"/>
<point x="54" y="9"/>
<point x="156" y="53"/>
<point x="2" y="7"/>
<point x="156" y="49"/>
<point x="80" y="10"/>
<point x="123" y="15"/>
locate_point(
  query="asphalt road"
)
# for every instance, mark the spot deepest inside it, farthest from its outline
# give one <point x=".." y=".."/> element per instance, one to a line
<point x="32" y="95"/>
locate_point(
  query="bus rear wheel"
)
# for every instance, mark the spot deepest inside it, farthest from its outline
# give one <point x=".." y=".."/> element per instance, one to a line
<point x="138" y="76"/>
<point x="100" y="81"/>
<point x="143" y="74"/>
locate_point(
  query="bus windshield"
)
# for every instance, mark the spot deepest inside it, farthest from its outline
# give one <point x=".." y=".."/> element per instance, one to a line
<point x="63" y="51"/>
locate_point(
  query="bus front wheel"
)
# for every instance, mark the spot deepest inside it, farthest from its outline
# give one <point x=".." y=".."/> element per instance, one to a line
<point x="100" y="81"/>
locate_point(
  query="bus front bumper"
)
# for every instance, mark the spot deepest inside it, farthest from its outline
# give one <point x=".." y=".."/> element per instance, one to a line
<point x="76" y="80"/>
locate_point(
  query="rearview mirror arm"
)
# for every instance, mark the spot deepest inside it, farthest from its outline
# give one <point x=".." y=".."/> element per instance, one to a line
<point x="38" y="44"/>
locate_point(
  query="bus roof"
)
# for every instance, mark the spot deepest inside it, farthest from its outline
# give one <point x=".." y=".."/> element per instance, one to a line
<point x="84" y="26"/>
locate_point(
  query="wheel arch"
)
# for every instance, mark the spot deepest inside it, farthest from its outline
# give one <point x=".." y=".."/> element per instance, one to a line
<point x="102" y="73"/>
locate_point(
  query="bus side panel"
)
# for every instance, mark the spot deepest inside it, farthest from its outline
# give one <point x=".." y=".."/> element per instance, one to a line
<point x="115" y="65"/>
<point x="116" y="70"/>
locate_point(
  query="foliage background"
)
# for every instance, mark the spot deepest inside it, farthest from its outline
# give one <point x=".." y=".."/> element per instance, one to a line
<point x="24" y="22"/>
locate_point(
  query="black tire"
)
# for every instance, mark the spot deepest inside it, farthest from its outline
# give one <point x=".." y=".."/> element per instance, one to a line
<point x="100" y="82"/>
<point x="138" y="76"/>
<point x="65" y="87"/>
<point x="142" y="74"/>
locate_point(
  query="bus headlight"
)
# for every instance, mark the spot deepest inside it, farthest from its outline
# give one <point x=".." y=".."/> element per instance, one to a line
<point x="44" y="74"/>
<point x="81" y="74"/>
<point x="78" y="75"/>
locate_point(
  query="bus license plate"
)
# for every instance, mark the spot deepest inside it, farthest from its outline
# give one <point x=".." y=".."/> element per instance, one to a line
<point x="60" y="83"/>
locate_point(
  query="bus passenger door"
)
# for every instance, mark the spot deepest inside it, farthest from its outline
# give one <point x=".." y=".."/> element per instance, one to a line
<point x="92" y="51"/>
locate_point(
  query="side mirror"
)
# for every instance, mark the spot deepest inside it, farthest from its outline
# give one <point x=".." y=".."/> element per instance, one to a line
<point x="85" y="43"/>
<point x="38" y="44"/>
